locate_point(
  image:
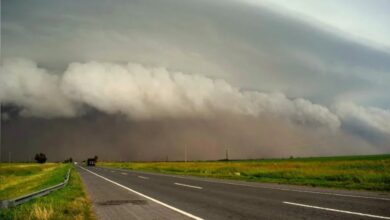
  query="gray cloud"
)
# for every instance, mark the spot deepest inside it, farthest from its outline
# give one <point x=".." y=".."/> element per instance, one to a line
<point x="24" y="84"/>
<point x="141" y="92"/>
<point x="192" y="61"/>
<point x="201" y="107"/>
<point x="249" y="47"/>
<point x="370" y="117"/>
<point x="372" y="123"/>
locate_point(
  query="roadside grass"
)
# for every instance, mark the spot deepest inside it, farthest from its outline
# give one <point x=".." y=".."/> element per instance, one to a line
<point x="347" y="172"/>
<point x="18" y="179"/>
<point x="70" y="202"/>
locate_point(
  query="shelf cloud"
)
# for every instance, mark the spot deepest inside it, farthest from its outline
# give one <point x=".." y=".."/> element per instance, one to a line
<point x="194" y="104"/>
<point x="266" y="78"/>
<point x="141" y="92"/>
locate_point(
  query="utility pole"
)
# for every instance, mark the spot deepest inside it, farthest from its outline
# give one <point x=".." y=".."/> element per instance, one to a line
<point x="227" y="154"/>
<point x="1" y="126"/>
<point x="185" y="153"/>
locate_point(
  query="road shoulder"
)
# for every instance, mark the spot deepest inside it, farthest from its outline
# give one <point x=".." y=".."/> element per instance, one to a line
<point x="113" y="202"/>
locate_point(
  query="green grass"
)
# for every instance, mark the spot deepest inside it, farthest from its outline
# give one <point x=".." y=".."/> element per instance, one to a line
<point x="18" y="179"/>
<point x="70" y="202"/>
<point x="347" y="172"/>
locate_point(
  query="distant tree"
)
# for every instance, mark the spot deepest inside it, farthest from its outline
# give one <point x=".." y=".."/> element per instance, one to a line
<point x="95" y="158"/>
<point x="40" y="158"/>
<point x="69" y="160"/>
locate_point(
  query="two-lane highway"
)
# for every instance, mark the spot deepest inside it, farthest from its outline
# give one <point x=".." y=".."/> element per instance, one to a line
<point x="205" y="198"/>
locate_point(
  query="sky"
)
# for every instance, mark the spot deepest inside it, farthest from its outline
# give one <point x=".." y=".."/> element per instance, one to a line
<point x="342" y="16"/>
<point x="138" y="80"/>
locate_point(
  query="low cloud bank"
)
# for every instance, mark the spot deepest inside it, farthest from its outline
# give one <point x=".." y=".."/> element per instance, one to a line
<point x="371" y="118"/>
<point x="33" y="89"/>
<point x="200" y="107"/>
<point x="371" y="123"/>
<point x="141" y="92"/>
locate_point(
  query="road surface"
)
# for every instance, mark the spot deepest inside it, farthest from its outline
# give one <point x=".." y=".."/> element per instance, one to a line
<point x="179" y="197"/>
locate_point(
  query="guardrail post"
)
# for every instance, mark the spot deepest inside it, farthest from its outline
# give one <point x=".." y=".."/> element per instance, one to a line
<point x="11" y="203"/>
<point x="4" y="204"/>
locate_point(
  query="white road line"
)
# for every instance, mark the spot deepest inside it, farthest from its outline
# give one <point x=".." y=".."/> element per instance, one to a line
<point x="328" y="193"/>
<point x="181" y="184"/>
<point x="124" y="173"/>
<point x="337" y="210"/>
<point x="273" y="188"/>
<point x="145" y="196"/>
<point x="294" y="190"/>
<point x="143" y="177"/>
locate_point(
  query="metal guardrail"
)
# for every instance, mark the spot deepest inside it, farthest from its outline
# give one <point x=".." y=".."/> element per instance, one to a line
<point x="28" y="197"/>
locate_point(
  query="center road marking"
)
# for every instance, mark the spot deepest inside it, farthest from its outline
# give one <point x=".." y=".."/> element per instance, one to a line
<point x="143" y="177"/>
<point x="147" y="197"/>
<point x="124" y="173"/>
<point x="181" y="184"/>
<point x="336" y="210"/>
<point x="274" y="188"/>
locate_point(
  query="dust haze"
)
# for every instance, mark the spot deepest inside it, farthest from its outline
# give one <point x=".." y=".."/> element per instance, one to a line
<point x="115" y="137"/>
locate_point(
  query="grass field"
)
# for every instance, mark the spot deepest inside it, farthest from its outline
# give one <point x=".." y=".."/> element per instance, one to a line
<point x="349" y="172"/>
<point x="67" y="203"/>
<point x="17" y="179"/>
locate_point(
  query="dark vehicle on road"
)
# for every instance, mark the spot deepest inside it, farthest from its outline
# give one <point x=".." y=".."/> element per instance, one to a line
<point x="91" y="162"/>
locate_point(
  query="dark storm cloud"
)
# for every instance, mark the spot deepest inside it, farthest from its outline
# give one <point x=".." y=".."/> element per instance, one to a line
<point x="251" y="47"/>
<point x="162" y="62"/>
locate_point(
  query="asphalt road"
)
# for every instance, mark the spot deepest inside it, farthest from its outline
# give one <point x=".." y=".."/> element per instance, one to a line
<point x="112" y="202"/>
<point x="206" y="198"/>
